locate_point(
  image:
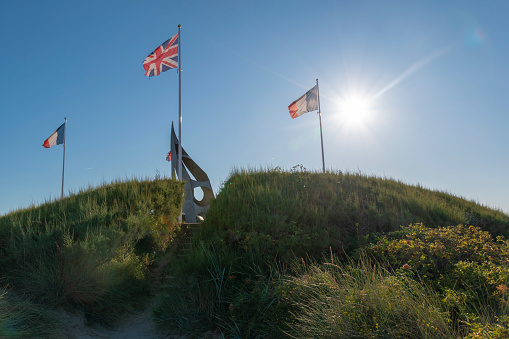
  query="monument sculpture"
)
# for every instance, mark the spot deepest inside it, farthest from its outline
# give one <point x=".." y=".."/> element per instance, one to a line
<point x="192" y="207"/>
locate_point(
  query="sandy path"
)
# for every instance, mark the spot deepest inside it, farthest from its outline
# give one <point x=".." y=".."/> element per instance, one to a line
<point x="138" y="325"/>
<point x="135" y="326"/>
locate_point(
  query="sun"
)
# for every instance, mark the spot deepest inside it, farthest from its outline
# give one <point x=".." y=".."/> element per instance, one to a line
<point x="355" y="110"/>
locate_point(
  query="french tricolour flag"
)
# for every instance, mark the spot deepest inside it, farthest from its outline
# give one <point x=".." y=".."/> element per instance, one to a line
<point x="56" y="138"/>
<point x="306" y="103"/>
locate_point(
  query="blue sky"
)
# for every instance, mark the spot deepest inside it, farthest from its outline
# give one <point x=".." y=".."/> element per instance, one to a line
<point x="411" y="90"/>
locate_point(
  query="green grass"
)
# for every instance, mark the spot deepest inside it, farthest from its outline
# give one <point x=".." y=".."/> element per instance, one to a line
<point x="191" y="306"/>
<point x="276" y="215"/>
<point x="90" y="251"/>
<point x="21" y="319"/>
<point x="261" y="222"/>
<point x="209" y="294"/>
<point x="362" y="300"/>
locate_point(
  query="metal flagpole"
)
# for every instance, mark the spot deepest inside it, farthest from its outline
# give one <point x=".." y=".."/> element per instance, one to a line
<point x="180" y="119"/>
<point x="320" y="117"/>
<point x="63" y="163"/>
<point x="180" y="112"/>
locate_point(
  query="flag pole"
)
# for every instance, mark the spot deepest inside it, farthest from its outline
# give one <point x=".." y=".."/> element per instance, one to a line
<point x="320" y="117"/>
<point x="63" y="162"/>
<point x="180" y="116"/>
<point x="180" y="111"/>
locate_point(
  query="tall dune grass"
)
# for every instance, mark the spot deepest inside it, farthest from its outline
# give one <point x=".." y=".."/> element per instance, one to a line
<point x="363" y="300"/>
<point x="90" y="251"/>
<point x="20" y="319"/>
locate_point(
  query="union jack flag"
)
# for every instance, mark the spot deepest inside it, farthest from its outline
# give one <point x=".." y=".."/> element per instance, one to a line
<point x="163" y="58"/>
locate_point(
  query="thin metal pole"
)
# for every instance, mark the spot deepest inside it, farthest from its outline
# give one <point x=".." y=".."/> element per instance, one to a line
<point x="63" y="162"/>
<point x="180" y="110"/>
<point x="180" y="118"/>
<point x="320" y="117"/>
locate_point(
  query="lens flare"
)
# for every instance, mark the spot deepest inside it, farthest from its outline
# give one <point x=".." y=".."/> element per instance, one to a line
<point x="355" y="110"/>
<point x="475" y="37"/>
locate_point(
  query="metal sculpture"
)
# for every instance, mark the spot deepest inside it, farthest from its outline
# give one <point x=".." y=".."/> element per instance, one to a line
<point x="192" y="207"/>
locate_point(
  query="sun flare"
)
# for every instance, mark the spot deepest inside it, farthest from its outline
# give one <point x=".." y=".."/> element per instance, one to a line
<point x="355" y="110"/>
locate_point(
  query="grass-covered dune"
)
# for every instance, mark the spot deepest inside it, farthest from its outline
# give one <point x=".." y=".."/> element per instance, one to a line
<point x="341" y="255"/>
<point x="280" y="253"/>
<point x="88" y="252"/>
<point x="281" y="214"/>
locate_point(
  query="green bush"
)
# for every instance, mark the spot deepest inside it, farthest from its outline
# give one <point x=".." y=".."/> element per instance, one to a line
<point x="448" y="257"/>
<point x="463" y="263"/>
<point x="496" y="327"/>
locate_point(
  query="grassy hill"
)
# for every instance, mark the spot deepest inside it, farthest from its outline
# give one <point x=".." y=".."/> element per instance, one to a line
<point x="280" y="253"/>
<point x="275" y="243"/>
<point x="276" y="214"/>
<point x="88" y="252"/>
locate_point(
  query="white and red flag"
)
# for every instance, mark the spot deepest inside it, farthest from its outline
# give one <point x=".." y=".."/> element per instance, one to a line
<point x="56" y="138"/>
<point x="163" y="58"/>
<point x="306" y="103"/>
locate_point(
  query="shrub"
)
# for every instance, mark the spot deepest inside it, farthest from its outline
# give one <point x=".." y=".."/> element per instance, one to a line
<point x="463" y="263"/>
<point x="455" y="257"/>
